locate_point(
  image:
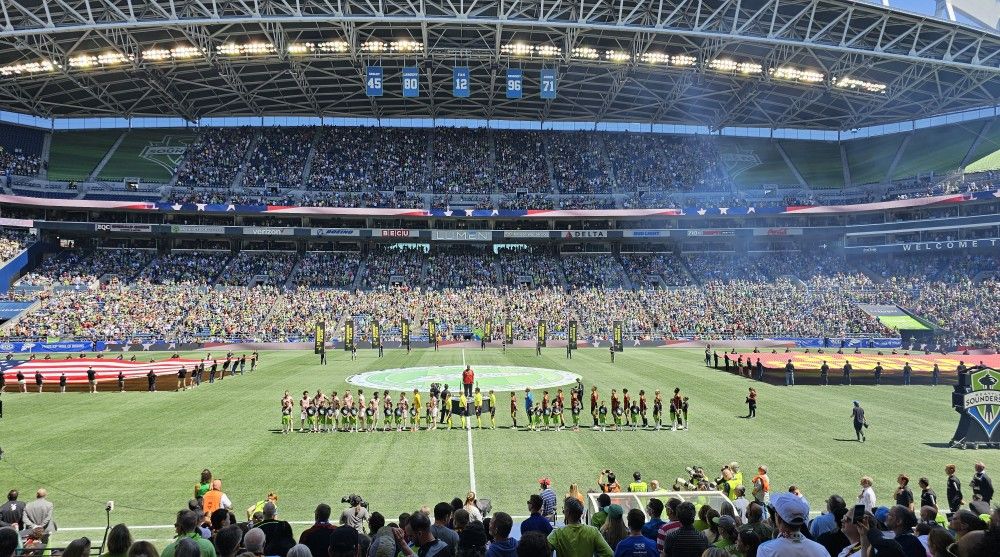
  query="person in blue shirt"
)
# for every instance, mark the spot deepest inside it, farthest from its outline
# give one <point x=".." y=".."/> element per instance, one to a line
<point x="535" y="522"/>
<point x="529" y="401"/>
<point x="637" y="544"/>
<point x="651" y="528"/>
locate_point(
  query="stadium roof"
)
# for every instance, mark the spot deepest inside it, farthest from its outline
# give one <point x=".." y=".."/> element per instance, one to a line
<point x="819" y="64"/>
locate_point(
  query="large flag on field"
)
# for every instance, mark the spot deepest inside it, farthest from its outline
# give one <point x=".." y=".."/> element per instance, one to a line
<point x="76" y="369"/>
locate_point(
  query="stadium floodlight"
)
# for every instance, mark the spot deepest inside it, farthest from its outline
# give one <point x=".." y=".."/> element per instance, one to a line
<point x="301" y="48"/>
<point x="517" y="49"/>
<point x="655" y="58"/>
<point x="406" y="46"/>
<point x="683" y="60"/>
<point x="617" y="56"/>
<point x="722" y="65"/>
<point x="333" y="46"/>
<point x="548" y="50"/>
<point x="177" y="53"/>
<point x="374" y="46"/>
<point x="749" y="68"/>
<point x="247" y="49"/>
<point x="795" y="74"/>
<point x="585" y="53"/>
<point x="859" y="85"/>
<point x="27" y="68"/>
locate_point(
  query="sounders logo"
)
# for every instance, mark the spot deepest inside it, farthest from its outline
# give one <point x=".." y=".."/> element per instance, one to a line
<point x="739" y="161"/>
<point x="983" y="403"/>
<point x="167" y="153"/>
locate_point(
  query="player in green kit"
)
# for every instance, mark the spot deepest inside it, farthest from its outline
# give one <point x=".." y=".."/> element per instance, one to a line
<point x="399" y="412"/>
<point x="312" y="413"/>
<point x="286" y="414"/>
<point x="658" y="410"/>
<point x="602" y="415"/>
<point x="493" y="410"/>
<point x="370" y="414"/>
<point x="414" y="418"/>
<point x="538" y="417"/>
<point x="477" y="404"/>
<point x="634" y="410"/>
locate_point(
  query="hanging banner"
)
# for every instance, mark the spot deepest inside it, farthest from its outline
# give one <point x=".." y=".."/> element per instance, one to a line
<point x="411" y="82"/>
<point x="548" y="84"/>
<point x="404" y="330"/>
<point x="488" y="331"/>
<point x="460" y="84"/>
<point x="542" y="333"/>
<point x="320" y="337"/>
<point x="431" y="330"/>
<point x="508" y="331"/>
<point x="349" y="334"/>
<point x="373" y="81"/>
<point x="616" y="337"/>
<point x="376" y="334"/>
<point x="571" y="335"/>
<point x="515" y="81"/>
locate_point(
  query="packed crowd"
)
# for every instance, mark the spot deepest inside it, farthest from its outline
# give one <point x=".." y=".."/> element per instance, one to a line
<point x="655" y="295"/>
<point x="363" y="159"/>
<point x="19" y="163"/>
<point x="279" y="159"/>
<point x="579" y="163"/>
<point x="658" y="163"/>
<point x="215" y="158"/>
<point x="462" y="161"/>
<point x="12" y="242"/>
<point x="742" y="517"/>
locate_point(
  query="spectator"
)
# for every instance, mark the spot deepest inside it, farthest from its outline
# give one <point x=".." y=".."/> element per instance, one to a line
<point x="317" y="537"/>
<point x="38" y="513"/>
<point x="603" y="501"/>
<point x="828" y="521"/>
<point x="727" y="533"/>
<point x="472" y="540"/>
<point x="227" y="541"/>
<point x="534" y="544"/>
<point x="834" y="540"/>
<point x="440" y="530"/>
<point x="12" y="512"/>
<point x="214" y="498"/>
<point x="576" y="539"/>
<point x="548" y="499"/>
<point x="186" y="547"/>
<point x="900" y="521"/>
<point x="790" y="516"/>
<point x="143" y="548"/>
<point x="79" y="547"/>
<point x="119" y="541"/>
<point x="472" y="507"/>
<point x="356" y="515"/>
<point x="502" y="545"/>
<point x="278" y="533"/>
<point x="186" y="526"/>
<point x="614" y="529"/>
<point x="8" y="541"/>
<point x="636" y="544"/>
<point x="535" y="521"/>
<point x="938" y="542"/>
<point x="747" y="542"/>
<point x="253" y="542"/>
<point x="963" y="521"/>
<point x="299" y="550"/>
<point x="671" y="524"/>
<point x="418" y="529"/>
<point x="684" y="541"/>
<point x="654" y="508"/>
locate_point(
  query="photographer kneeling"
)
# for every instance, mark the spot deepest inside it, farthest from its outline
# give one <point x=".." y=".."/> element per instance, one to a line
<point x="357" y="514"/>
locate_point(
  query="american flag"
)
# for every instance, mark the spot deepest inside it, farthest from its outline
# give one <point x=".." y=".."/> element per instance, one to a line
<point x="76" y="368"/>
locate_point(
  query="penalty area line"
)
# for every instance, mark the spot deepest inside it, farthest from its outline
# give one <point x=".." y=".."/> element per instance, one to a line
<point x="468" y="439"/>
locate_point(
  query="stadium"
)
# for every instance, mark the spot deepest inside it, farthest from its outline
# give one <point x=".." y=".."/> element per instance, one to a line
<point x="405" y="253"/>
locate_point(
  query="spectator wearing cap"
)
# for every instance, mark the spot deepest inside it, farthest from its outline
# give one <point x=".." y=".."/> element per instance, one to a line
<point x="900" y="521"/>
<point x="548" y="499"/>
<point x="654" y="508"/>
<point x="828" y="521"/>
<point x="790" y="516"/>
<point x="576" y="539"/>
<point x="727" y="533"/>
<point x="440" y="529"/>
<point x="502" y="545"/>
<point x="278" y="532"/>
<point x="535" y="521"/>
<point x="317" y="536"/>
<point x="614" y="529"/>
<point x="685" y="540"/>
<point x="418" y="530"/>
<point x="603" y="501"/>
<point x="637" y="544"/>
<point x="186" y="526"/>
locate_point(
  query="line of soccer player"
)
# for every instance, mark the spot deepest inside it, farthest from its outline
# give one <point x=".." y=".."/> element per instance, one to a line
<point x="321" y="413"/>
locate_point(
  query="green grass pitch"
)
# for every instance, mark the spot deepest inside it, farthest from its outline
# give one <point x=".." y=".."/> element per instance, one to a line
<point x="145" y="450"/>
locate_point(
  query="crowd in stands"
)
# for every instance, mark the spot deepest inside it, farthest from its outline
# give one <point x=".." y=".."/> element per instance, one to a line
<point x="363" y="159"/>
<point x="753" y="517"/>
<point x="19" y="163"/>
<point x="579" y="163"/>
<point x="709" y="296"/>
<point x="462" y="161"/>
<point x="12" y="242"/>
<point x="279" y="159"/>
<point x="659" y="163"/>
<point x="520" y="162"/>
<point x="215" y="158"/>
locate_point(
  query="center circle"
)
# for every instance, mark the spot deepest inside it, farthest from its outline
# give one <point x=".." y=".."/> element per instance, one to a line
<point x="497" y="378"/>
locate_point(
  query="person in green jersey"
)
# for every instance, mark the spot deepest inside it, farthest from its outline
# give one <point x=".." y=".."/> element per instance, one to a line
<point x="602" y="416"/>
<point x="447" y="409"/>
<point x="477" y="405"/>
<point x="538" y="418"/>
<point x="463" y="408"/>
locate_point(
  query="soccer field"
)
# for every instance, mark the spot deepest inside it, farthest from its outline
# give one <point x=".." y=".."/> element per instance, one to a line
<point x="145" y="450"/>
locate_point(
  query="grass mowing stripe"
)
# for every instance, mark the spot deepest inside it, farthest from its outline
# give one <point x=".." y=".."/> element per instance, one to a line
<point x="468" y="437"/>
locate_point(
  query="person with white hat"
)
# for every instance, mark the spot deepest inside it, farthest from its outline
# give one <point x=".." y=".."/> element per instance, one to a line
<point x="790" y="516"/>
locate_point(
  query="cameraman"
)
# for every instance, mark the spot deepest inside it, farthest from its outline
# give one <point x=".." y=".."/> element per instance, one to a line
<point x="357" y="514"/>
